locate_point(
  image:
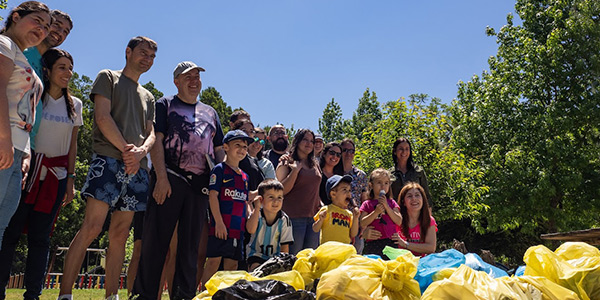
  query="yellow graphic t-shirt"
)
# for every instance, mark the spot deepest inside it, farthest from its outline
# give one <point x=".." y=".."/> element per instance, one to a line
<point x="337" y="224"/>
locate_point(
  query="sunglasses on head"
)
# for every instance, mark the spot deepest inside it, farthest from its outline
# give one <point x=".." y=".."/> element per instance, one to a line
<point x="262" y="142"/>
<point x="349" y="151"/>
<point x="332" y="152"/>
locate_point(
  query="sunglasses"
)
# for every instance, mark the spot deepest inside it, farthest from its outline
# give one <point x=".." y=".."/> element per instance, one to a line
<point x="331" y="152"/>
<point x="349" y="151"/>
<point x="262" y="142"/>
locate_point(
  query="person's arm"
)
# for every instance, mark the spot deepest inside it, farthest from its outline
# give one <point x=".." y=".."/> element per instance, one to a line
<point x="162" y="188"/>
<point x="107" y="124"/>
<point x="394" y="212"/>
<point x="316" y="226"/>
<point x="285" y="248"/>
<point x="427" y="247"/>
<point x="355" y="222"/>
<point x="7" y="151"/>
<point x="219" y="154"/>
<point x="134" y="154"/>
<point x="287" y="173"/>
<point x="213" y="201"/>
<point x="70" y="193"/>
<point x="367" y="218"/>
<point x="252" y="222"/>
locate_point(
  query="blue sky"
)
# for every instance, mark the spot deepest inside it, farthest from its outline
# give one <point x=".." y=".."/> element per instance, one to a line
<point x="282" y="60"/>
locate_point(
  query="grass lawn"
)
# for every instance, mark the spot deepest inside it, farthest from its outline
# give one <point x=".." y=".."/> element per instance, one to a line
<point x="91" y="294"/>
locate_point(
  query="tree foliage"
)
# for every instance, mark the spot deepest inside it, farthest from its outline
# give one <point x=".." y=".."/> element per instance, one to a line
<point x="331" y="124"/>
<point x="212" y="97"/>
<point x="532" y="120"/>
<point x="367" y="113"/>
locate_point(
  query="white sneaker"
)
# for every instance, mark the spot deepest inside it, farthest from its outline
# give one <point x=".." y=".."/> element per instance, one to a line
<point x="113" y="297"/>
<point x="65" y="297"/>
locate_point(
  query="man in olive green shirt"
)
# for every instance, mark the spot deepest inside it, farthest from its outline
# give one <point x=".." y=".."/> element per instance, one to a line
<point x="118" y="176"/>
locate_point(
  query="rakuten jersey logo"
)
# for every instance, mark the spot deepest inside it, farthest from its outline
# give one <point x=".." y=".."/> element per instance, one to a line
<point x="235" y="195"/>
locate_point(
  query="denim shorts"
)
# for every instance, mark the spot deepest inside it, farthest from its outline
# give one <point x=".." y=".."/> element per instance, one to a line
<point x="107" y="181"/>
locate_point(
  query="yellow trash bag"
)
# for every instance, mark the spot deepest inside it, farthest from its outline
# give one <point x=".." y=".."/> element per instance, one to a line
<point x="575" y="266"/>
<point x="224" y="279"/>
<point x="360" y="277"/>
<point x="443" y="274"/>
<point x="304" y="266"/>
<point x="466" y="283"/>
<point x="312" y="264"/>
<point x="548" y="289"/>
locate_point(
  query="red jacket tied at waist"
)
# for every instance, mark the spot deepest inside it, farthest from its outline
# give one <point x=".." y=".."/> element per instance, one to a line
<point x="44" y="196"/>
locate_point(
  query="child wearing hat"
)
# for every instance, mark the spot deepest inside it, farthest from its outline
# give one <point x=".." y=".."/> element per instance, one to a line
<point x="335" y="221"/>
<point x="228" y="197"/>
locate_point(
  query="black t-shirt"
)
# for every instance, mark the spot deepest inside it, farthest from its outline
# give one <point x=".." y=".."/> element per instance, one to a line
<point x="255" y="176"/>
<point x="273" y="157"/>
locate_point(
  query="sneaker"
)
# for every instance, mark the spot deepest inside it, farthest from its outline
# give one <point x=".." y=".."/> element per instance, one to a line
<point x="113" y="297"/>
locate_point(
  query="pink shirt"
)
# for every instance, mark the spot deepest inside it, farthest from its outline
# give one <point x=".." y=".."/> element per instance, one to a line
<point x="415" y="235"/>
<point x="384" y="224"/>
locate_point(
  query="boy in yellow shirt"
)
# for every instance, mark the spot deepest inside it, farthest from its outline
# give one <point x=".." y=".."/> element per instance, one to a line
<point x="335" y="221"/>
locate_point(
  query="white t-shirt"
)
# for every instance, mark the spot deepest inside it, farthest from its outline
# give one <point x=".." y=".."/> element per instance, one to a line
<point x="54" y="136"/>
<point x="23" y="91"/>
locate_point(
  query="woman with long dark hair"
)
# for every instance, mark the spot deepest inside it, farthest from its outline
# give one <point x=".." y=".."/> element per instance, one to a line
<point x="418" y="232"/>
<point x="406" y="170"/>
<point x="301" y="178"/>
<point x="332" y="153"/>
<point x="51" y="181"/>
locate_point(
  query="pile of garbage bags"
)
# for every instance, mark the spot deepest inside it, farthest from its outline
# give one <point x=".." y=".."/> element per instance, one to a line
<point x="335" y="271"/>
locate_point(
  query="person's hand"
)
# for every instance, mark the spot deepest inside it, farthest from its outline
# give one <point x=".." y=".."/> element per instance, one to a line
<point x="162" y="190"/>
<point x="7" y="154"/>
<point x="70" y="192"/>
<point x="221" y="230"/>
<point x="323" y="215"/>
<point x="399" y="240"/>
<point x="256" y="204"/>
<point x="355" y="213"/>
<point x="380" y="209"/>
<point x="25" y="170"/>
<point x="371" y="233"/>
<point x="132" y="157"/>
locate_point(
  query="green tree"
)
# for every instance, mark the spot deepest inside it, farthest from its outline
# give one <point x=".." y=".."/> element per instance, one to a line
<point x="331" y="124"/>
<point x="532" y="120"/>
<point x="454" y="180"/>
<point x="213" y="98"/>
<point x="366" y="114"/>
<point x="155" y="92"/>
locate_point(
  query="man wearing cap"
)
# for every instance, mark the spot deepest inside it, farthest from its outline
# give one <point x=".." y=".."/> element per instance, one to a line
<point x="117" y="179"/>
<point x="188" y="138"/>
<point x="319" y="144"/>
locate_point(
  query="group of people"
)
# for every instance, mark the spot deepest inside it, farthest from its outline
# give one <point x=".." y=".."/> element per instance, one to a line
<point x="204" y="200"/>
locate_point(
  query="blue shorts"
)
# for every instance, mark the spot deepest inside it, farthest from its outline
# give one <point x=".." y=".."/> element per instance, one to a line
<point x="106" y="181"/>
<point x="229" y="248"/>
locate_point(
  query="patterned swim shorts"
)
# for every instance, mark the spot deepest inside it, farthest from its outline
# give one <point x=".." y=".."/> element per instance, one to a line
<point x="107" y="181"/>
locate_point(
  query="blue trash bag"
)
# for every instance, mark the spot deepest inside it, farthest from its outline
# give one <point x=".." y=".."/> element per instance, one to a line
<point x="373" y="256"/>
<point x="475" y="262"/>
<point x="520" y="271"/>
<point x="432" y="263"/>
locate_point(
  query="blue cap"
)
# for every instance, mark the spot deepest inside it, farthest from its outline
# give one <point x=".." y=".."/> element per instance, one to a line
<point x="334" y="180"/>
<point x="237" y="135"/>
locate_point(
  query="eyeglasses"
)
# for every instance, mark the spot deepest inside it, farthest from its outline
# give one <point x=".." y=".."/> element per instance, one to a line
<point x="278" y="133"/>
<point x="331" y="152"/>
<point x="262" y="142"/>
<point x="349" y="151"/>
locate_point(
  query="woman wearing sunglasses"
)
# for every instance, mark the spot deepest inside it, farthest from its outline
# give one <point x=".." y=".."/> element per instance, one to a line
<point x="330" y="157"/>
<point x="255" y="150"/>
